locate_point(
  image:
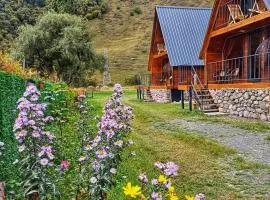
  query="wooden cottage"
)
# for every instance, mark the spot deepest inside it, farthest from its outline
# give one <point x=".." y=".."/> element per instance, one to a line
<point x="177" y="37"/>
<point x="235" y="49"/>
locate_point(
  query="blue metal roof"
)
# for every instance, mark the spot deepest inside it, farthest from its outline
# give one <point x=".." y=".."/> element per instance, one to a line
<point x="267" y="3"/>
<point x="183" y="30"/>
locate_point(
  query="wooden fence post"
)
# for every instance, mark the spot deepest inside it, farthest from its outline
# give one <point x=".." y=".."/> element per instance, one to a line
<point x="190" y="99"/>
<point x="183" y="99"/>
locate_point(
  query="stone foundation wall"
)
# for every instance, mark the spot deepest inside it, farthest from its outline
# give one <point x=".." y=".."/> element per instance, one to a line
<point x="249" y="103"/>
<point x="161" y="95"/>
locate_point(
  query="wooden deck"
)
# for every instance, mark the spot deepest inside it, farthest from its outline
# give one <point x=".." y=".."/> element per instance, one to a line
<point x="244" y="25"/>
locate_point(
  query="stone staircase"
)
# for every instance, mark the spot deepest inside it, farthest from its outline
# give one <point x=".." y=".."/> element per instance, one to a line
<point x="148" y="96"/>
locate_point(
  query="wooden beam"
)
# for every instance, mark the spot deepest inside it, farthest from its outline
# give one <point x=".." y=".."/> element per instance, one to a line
<point x="160" y="55"/>
<point x="241" y="25"/>
<point x="239" y="85"/>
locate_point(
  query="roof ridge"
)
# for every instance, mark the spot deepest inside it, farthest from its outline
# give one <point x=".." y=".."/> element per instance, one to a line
<point x="184" y="7"/>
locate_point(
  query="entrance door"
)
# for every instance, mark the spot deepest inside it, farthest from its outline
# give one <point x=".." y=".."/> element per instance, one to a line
<point x="254" y="61"/>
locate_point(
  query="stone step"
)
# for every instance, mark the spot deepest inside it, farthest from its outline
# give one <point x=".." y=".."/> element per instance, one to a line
<point x="208" y="100"/>
<point x="210" y="110"/>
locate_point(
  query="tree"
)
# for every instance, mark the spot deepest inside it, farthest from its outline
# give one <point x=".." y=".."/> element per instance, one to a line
<point x="59" y="43"/>
<point x="89" y="8"/>
<point x="14" y="13"/>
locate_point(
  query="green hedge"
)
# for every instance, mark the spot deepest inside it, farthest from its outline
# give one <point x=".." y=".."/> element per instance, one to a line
<point x="11" y="89"/>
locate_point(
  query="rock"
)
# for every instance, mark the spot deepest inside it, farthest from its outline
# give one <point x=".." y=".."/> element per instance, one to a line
<point x="246" y="113"/>
<point x="246" y="95"/>
<point x="263" y="117"/>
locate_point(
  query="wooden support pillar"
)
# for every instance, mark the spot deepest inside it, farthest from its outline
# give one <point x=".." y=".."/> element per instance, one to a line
<point x="263" y="56"/>
<point x="245" y="65"/>
<point x="182" y="99"/>
<point x="190" y="98"/>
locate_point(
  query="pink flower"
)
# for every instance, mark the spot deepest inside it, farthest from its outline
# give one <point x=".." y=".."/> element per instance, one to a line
<point x="64" y="165"/>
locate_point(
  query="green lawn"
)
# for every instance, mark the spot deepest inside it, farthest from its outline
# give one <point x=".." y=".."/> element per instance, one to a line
<point x="204" y="164"/>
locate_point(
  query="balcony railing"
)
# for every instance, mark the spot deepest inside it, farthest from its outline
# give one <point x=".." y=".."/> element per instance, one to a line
<point x="253" y="68"/>
<point x="234" y="11"/>
<point x="185" y="76"/>
<point x="155" y="79"/>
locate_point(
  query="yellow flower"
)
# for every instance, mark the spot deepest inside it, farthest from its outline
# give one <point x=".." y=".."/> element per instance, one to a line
<point x="189" y="197"/>
<point x="173" y="196"/>
<point x="171" y="189"/>
<point x="162" y="179"/>
<point x="142" y="197"/>
<point x="132" y="191"/>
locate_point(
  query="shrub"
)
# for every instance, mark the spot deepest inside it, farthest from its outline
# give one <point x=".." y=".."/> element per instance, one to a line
<point x="11" y="88"/>
<point x="8" y="65"/>
<point x="137" y="10"/>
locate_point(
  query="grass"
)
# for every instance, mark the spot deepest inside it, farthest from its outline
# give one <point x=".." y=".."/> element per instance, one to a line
<point x="206" y="166"/>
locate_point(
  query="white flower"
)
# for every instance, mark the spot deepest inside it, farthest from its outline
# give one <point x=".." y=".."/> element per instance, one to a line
<point x="44" y="161"/>
<point x="21" y="148"/>
<point x="2" y="144"/>
<point x="15" y="162"/>
<point x="113" y="170"/>
<point x="93" y="180"/>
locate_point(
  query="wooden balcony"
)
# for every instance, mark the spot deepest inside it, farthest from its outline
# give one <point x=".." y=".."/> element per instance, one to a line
<point x="236" y="16"/>
<point x="240" y="72"/>
<point x="160" y="50"/>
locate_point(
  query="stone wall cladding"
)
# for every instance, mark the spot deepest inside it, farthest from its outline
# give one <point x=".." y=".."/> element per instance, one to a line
<point x="161" y="95"/>
<point x="249" y="103"/>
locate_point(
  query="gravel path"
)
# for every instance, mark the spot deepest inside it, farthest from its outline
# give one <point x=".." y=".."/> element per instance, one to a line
<point x="250" y="144"/>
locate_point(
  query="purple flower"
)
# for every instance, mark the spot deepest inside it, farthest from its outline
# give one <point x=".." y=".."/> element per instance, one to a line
<point x="159" y="165"/>
<point x="168" y="184"/>
<point x="95" y="165"/>
<point x="156" y="196"/>
<point x="101" y="154"/>
<point x="171" y="169"/>
<point x="143" y="178"/>
<point x="200" y="197"/>
<point x="154" y="182"/>
<point x="46" y="151"/>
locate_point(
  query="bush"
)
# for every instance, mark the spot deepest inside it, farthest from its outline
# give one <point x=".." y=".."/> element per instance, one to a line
<point x="137" y="10"/>
<point x="11" y="88"/>
<point x="8" y="65"/>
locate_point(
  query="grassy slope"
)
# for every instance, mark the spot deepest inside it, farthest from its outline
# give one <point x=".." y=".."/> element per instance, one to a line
<point x="127" y="38"/>
<point x="204" y="164"/>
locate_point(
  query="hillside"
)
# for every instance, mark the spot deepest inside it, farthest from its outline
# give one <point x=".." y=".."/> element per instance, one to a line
<point x="127" y="38"/>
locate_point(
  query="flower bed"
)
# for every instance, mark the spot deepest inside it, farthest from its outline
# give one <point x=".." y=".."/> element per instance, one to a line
<point x="67" y="148"/>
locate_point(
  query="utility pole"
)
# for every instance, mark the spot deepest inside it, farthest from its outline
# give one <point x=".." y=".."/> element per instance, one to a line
<point x="106" y="74"/>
